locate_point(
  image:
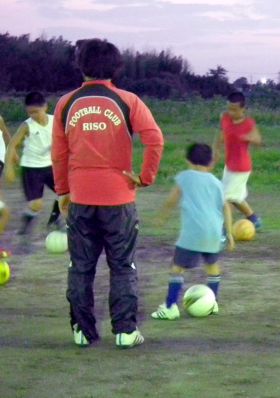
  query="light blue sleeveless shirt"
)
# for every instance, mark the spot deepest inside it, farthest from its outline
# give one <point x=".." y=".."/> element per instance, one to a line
<point x="202" y="211"/>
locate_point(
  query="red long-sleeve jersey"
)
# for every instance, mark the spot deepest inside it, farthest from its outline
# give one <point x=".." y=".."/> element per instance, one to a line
<point x="93" y="144"/>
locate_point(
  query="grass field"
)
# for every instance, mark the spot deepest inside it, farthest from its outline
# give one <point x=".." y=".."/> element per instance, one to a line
<point x="234" y="354"/>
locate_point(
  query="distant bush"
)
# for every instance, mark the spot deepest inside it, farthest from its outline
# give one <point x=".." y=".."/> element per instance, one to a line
<point x="48" y="65"/>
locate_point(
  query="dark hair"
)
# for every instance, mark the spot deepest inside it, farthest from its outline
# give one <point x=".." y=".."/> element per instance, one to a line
<point x="237" y="97"/>
<point x="35" y="98"/>
<point x="199" y="154"/>
<point x="98" y="59"/>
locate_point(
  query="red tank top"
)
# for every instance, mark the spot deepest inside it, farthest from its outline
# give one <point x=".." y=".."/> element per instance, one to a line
<point x="237" y="154"/>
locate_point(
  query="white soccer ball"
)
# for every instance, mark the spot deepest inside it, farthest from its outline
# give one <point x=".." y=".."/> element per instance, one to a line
<point x="56" y="242"/>
<point x="199" y="301"/>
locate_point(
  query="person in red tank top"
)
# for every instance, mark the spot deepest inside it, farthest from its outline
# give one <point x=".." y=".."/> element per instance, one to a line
<point x="238" y="133"/>
<point x="92" y="155"/>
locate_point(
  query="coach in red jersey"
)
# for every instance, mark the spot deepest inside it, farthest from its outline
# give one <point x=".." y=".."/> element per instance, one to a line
<point x="92" y="163"/>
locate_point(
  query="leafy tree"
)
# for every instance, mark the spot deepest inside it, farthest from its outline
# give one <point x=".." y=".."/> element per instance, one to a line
<point x="48" y="65"/>
<point x="218" y="73"/>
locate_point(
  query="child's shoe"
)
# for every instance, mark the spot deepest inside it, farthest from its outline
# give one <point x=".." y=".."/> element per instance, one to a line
<point x="27" y="224"/>
<point x="258" y="223"/>
<point x="5" y="254"/>
<point x="256" y="220"/>
<point x="215" y="310"/>
<point x="165" y="313"/>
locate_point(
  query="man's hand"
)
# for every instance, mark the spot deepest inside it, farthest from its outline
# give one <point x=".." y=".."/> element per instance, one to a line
<point x="134" y="178"/>
<point x="231" y="243"/>
<point x="63" y="203"/>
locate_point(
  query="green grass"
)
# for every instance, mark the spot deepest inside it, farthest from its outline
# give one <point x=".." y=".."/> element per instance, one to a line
<point x="234" y="354"/>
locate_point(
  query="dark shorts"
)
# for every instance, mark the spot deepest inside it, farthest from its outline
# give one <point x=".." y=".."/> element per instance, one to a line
<point x="1" y="168"/>
<point x="34" y="180"/>
<point x="190" y="259"/>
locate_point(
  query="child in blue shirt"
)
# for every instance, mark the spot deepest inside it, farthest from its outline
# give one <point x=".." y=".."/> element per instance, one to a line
<point x="204" y="211"/>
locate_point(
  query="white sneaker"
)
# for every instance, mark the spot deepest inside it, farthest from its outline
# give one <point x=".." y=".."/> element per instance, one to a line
<point x="165" y="313"/>
<point x="215" y="310"/>
<point x="129" y="340"/>
<point x="79" y="337"/>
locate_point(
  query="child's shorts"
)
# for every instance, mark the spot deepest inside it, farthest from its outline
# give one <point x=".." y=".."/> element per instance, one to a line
<point x="191" y="259"/>
<point x="34" y="179"/>
<point x="235" y="185"/>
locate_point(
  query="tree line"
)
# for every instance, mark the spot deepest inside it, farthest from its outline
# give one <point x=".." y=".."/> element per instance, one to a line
<point x="48" y="65"/>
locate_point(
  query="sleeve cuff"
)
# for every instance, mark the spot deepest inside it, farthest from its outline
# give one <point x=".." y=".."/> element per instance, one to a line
<point x="143" y="183"/>
<point x="65" y="193"/>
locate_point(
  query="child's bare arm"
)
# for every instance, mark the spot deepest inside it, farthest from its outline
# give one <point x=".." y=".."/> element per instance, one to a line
<point x="11" y="154"/>
<point x="6" y="133"/>
<point x="16" y="141"/>
<point x="254" y="137"/>
<point x="228" y="225"/>
<point x="171" y="202"/>
<point x="218" y="146"/>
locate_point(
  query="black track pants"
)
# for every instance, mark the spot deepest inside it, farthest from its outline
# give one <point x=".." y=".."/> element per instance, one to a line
<point x="90" y="229"/>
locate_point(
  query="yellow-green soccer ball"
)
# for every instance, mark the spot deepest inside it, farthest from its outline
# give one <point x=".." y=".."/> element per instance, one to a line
<point x="5" y="272"/>
<point x="199" y="301"/>
<point x="56" y="242"/>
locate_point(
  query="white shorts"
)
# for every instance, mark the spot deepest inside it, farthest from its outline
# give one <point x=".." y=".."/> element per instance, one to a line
<point x="235" y="185"/>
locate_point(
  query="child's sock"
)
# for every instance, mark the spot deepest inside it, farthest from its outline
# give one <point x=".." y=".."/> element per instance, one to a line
<point x="174" y="288"/>
<point x="213" y="281"/>
<point x="256" y="220"/>
<point x="55" y="213"/>
<point x="27" y="221"/>
<point x="253" y="217"/>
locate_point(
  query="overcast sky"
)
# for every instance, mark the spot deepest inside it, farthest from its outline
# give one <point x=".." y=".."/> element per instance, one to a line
<point x="241" y="35"/>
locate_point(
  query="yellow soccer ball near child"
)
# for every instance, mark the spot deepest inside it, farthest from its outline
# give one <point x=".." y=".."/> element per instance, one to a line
<point x="56" y="242"/>
<point x="199" y="301"/>
<point x="5" y="272"/>
<point x="243" y="230"/>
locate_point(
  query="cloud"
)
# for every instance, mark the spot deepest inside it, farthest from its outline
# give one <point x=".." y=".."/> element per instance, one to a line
<point x="242" y="35"/>
<point x="223" y="16"/>
<point x="224" y="3"/>
<point x="219" y="15"/>
<point x="87" y="5"/>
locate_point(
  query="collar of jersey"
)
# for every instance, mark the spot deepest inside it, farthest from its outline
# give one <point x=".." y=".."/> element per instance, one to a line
<point x="107" y="83"/>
